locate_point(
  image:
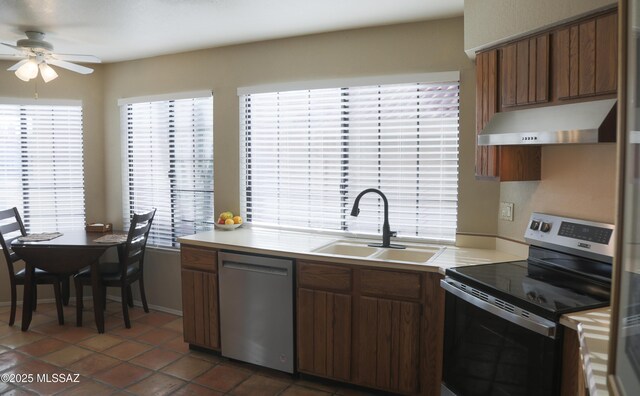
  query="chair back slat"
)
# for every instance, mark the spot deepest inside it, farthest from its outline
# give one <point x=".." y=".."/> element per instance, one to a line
<point x="137" y="240"/>
<point x="11" y="229"/>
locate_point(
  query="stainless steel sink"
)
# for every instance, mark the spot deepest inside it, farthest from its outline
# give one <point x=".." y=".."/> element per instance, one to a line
<point x="412" y="254"/>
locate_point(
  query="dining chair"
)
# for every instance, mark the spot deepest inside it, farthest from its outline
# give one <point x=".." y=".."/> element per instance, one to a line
<point x="11" y="229"/>
<point x="128" y="269"/>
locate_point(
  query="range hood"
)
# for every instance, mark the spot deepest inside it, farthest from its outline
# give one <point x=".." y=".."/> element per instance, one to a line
<point x="585" y="122"/>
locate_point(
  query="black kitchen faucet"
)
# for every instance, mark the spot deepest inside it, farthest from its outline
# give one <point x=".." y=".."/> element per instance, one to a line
<point x="386" y="230"/>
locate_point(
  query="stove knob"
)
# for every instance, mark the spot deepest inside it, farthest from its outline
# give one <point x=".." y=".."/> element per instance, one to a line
<point x="545" y="227"/>
<point x="535" y="224"/>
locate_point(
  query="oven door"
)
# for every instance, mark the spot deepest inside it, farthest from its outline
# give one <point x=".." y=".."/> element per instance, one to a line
<point x="492" y="351"/>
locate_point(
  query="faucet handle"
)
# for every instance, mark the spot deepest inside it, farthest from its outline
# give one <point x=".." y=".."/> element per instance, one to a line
<point x="393" y="233"/>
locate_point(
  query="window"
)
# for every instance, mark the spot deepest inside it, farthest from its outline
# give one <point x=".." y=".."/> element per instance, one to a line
<point x="41" y="166"/>
<point x="306" y="155"/>
<point x="168" y="164"/>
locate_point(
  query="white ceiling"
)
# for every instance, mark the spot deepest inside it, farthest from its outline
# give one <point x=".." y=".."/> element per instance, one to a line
<point x="117" y="30"/>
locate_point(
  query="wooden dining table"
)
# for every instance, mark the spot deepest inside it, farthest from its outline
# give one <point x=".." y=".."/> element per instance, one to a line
<point x="66" y="254"/>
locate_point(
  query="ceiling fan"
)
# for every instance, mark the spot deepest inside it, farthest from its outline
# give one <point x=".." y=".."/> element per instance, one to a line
<point x="38" y="56"/>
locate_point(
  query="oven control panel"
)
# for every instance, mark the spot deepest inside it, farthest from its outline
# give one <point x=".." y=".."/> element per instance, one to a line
<point x="562" y="233"/>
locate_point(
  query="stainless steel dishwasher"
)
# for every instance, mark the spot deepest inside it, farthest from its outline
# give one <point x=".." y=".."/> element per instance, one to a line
<point x="256" y="309"/>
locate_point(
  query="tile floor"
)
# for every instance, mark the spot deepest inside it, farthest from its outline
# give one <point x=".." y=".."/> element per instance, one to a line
<point x="151" y="358"/>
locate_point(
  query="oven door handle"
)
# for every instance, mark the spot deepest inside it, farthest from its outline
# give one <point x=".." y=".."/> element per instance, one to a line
<point x="540" y="325"/>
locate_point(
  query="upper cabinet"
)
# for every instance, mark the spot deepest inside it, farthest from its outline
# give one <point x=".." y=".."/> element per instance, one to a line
<point x="524" y="72"/>
<point x="573" y="62"/>
<point x="586" y="58"/>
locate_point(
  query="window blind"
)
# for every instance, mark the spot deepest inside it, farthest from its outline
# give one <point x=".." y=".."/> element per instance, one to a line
<point x="41" y="165"/>
<point x="306" y="154"/>
<point x="168" y="165"/>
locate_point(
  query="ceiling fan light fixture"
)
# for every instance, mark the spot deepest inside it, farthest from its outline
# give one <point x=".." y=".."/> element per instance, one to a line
<point x="47" y="72"/>
<point x="28" y="71"/>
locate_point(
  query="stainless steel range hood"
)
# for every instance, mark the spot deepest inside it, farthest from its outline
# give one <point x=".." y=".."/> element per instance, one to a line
<point x="586" y="122"/>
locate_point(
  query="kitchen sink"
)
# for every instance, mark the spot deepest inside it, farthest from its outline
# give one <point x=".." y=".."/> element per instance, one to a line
<point x="412" y="254"/>
<point x="348" y="249"/>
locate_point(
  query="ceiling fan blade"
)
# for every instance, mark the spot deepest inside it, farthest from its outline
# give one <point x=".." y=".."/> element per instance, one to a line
<point x="17" y="49"/>
<point x="70" y="66"/>
<point x="77" y="58"/>
<point x="17" y="65"/>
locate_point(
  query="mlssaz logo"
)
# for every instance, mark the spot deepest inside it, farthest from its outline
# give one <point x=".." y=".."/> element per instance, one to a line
<point x="584" y="245"/>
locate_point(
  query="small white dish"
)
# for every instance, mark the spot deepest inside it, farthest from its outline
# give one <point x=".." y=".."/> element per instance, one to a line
<point x="227" y="227"/>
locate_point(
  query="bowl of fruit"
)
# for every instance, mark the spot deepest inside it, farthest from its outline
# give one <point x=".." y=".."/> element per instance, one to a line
<point x="227" y="221"/>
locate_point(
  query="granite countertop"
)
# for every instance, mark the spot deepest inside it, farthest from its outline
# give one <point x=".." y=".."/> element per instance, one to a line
<point x="593" y="331"/>
<point x="302" y="245"/>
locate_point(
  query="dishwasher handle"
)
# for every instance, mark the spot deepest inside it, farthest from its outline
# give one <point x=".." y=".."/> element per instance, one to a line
<point x="263" y="269"/>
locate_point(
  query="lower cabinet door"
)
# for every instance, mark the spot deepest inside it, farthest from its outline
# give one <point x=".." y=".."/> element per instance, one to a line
<point x="200" y="308"/>
<point x="388" y="344"/>
<point x="324" y="333"/>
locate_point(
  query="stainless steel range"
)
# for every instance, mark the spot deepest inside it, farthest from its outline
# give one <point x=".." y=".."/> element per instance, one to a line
<point x="502" y="331"/>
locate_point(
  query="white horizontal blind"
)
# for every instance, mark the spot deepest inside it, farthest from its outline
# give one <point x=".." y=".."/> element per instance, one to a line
<point x="307" y="154"/>
<point x="169" y="166"/>
<point x="41" y="165"/>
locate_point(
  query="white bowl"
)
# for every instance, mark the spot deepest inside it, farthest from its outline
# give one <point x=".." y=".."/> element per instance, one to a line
<point x="227" y="227"/>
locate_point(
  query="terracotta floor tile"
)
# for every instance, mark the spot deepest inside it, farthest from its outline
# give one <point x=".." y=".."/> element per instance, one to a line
<point x="156" y="385"/>
<point x="93" y="364"/>
<point x="258" y="385"/>
<point x="127" y="350"/>
<point x="5" y="387"/>
<point x="157" y="336"/>
<point x="356" y="392"/>
<point x="295" y="390"/>
<point x="75" y="334"/>
<point x="50" y="387"/>
<point x="177" y="345"/>
<point x="223" y="378"/>
<point x="11" y="359"/>
<point x="6" y="330"/>
<point x="156" y="319"/>
<point x="187" y="368"/>
<point x="133" y="332"/>
<point x="88" y="387"/>
<point x="42" y="347"/>
<point x="275" y="374"/>
<point x="34" y="367"/>
<point x="17" y="340"/>
<point x="155" y="359"/>
<point x="208" y="356"/>
<point x="196" y="390"/>
<point x="317" y="385"/>
<point x="19" y="392"/>
<point x="123" y="375"/>
<point x="175" y="325"/>
<point x="49" y="329"/>
<point x="101" y="342"/>
<point x="66" y="356"/>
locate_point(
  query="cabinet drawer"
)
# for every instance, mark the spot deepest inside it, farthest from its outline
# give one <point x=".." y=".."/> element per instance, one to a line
<point x="390" y="283"/>
<point x="324" y="276"/>
<point x="199" y="258"/>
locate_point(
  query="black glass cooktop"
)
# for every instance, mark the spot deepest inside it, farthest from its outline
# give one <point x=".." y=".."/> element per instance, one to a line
<point x="549" y="288"/>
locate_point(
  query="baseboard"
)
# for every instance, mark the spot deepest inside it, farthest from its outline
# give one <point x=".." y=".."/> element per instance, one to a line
<point x="138" y="303"/>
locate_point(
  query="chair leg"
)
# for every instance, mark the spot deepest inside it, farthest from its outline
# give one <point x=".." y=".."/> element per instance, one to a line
<point x="125" y="307"/>
<point x="142" y="295"/>
<point x="129" y="296"/>
<point x="79" y="303"/>
<point x="104" y="298"/>
<point x="12" y="315"/>
<point x="58" y="295"/>
<point x="65" y="289"/>
<point x="35" y="297"/>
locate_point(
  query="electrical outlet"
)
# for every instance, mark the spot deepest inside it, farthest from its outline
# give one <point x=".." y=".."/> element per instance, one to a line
<point x="506" y="211"/>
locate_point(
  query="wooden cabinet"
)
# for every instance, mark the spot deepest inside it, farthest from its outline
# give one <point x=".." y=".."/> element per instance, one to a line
<point x="524" y="72"/>
<point x="573" y="381"/>
<point x="373" y="327"/>
<point x="200" y="308"/>
<point x="577" y="61"/>
<point x="586" y="58"/>
<point x="509" y="163"/>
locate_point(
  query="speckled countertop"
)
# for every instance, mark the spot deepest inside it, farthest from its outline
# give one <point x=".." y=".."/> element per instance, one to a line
<point x="302" y="245"/>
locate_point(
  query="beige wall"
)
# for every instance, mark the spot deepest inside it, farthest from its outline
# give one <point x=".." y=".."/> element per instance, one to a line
<point x="488" y="22"/>
<point x="89" y="89"/>
<point x="399" y="49"/>
<point x="577" y="181"/>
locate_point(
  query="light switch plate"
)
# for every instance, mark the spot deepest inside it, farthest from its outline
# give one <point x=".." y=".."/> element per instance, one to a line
<point x="506" y="211"/>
